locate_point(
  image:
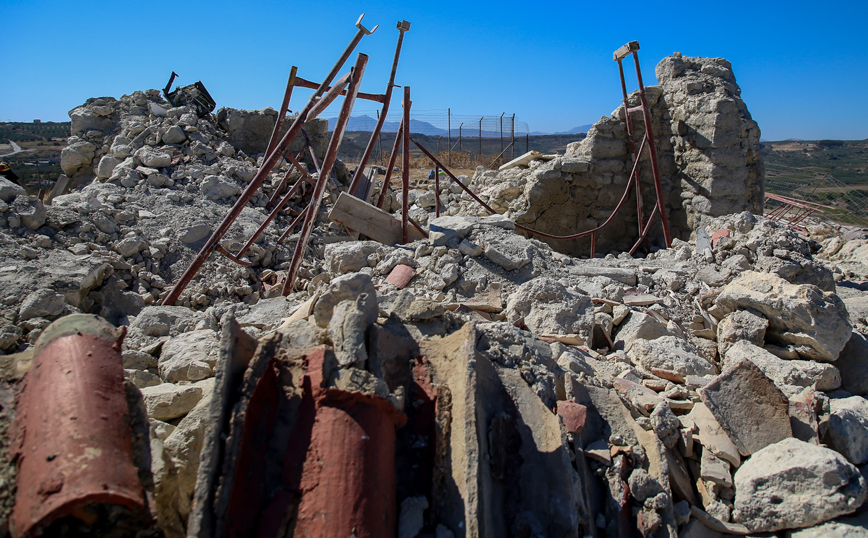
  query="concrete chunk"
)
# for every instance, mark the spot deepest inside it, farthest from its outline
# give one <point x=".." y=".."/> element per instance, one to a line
<point x="748" y="406"/>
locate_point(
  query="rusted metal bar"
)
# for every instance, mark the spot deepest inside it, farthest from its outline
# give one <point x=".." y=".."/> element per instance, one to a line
<point x="292" y="225"/>
<point x="329" y="97"/>
<point x="219" y="248"/>
<point x="312" y="154"/>
<point x="499" y="156"/>
<point x="644" y="233"/>
<point x="270" y="217"/>
<point x="392" y="158"/>
<point x="437" y="191"/>
<point x="329" y="161"/>
<point x="261" y="175"/>
<point x="402" y="26"/>
<point x="652" y="148"/>
<point x="71" y="436"/>
<point x="376" y="97"/>
<point x="285" y="180"/>
<point x="284" y="106"/>
<point x="593" y="244"/>
<point x="640" y="210"/>
<point x="405" y="163"/>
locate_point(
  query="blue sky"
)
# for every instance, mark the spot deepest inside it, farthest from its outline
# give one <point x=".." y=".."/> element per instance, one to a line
<point x="801" y="66"/>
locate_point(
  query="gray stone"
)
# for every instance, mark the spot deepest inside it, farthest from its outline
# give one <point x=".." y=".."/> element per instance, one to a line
<point x="842" y="527"/>
<point x="9" y="190"/>
<point x="131" y="246"/>
<point x="814" y="321"/>
<point x="550" y="308"/>
<point x="748" y="406"/>
<point x="794" y="484"/>
<point x="639" y="326"/>
<point x="411" y="520"/>
<point x="469" y="249"/>
<point x="77" y="157"/>
<point x="165" y="320"/>
<point x="30" y="210"/>
<point x="218" y="188"/>
<point x="853" y="365"/>
<point x="138" y="360"/>
<point x="107" y="166"/>
<point x="267" y="314"/>
<point x="795" y="373"/>
<point x="168" y="401"/>
<point x="510" y="261"/>
<point x="194" y="233"/>
<point x="711" y="434"/>
<point x="715" y="469"/>
<point x="142" y="378"/>
<point x="104" y="223"/>
<point x="343" y="288"/>
<point x="347" y="329"/>
<point x="442" y="229"/>
<point x="174" y="135"/>
<point x="153" y="158"/>
<point x="189" y="357"/>
<point x="349" y="256"/>
<point x="740" y="325"/>
<point x="666" y="425"/>
<point x="43" y="303"/>
<point x="848" y="428"/>
<point x="669" y="353"/>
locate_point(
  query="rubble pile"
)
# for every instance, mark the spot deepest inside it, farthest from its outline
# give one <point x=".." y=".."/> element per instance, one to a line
<point x="473" y="383"/>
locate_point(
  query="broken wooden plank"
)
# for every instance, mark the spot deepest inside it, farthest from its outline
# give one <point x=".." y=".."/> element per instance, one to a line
<point x="525" y="159"/>
<point x="370" y="220"/>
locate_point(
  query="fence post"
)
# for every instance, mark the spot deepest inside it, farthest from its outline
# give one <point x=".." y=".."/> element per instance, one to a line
<point x="513" y="135"/>
<point x="460" y="148"/>
<point x="480" y="137"/>
<point x="449" y="134"/>
<point x="527" y="142"/>
<point x="379" y="141"/>
<point x="501" y="132"/>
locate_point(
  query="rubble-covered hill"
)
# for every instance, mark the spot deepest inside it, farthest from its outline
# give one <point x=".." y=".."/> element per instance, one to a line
<point x="474" y="383"/>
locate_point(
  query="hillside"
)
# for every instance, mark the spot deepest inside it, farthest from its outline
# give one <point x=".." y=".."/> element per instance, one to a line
<point x="846" y="160"/>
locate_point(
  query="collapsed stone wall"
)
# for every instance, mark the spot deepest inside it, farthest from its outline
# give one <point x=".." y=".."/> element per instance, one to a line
<point x="708" y="156"/>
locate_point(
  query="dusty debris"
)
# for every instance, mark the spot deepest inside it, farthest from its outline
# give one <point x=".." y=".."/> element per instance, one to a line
<point x="474" y="382"/>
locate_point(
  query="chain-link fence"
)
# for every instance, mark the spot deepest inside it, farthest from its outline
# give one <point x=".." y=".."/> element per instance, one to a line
<point x="481" y="138"/>
<point x="842" y="203"/>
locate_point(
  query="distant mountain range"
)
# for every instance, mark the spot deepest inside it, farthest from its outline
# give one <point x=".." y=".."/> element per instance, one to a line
<point x="579" y="129"/>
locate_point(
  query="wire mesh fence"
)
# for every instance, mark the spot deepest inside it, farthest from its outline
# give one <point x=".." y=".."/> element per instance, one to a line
<point x="841" y="203"/>
<point x="485" y="139"/>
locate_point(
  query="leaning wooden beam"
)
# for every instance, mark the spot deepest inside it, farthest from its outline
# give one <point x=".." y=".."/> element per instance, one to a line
<point x="370" y="220"/>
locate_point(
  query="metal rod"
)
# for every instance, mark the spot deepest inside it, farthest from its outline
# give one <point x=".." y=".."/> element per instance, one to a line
<point x="392" y="158"/>
<point x="405" y="163"/>
<point x="403" y="26"/>
<point x="223" y="251"/>
<point x="270" y="217"/>
<point x="449" y="135"/>
<point x="330" y="95"/>
<point x="293" y="166"/>
<point x="329" y="161"/>
<point x="437" y="191"/>
<point x="480" y="138"/>
<point x="284" y="106"/>
<point x="259" y="178"/>
<point x="513" y="135"/>
<point x="292" y="225"/>
<point x="646" y="114"/>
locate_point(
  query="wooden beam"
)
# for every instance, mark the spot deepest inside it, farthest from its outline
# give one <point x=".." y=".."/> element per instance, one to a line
<point x="370" y="220"/>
